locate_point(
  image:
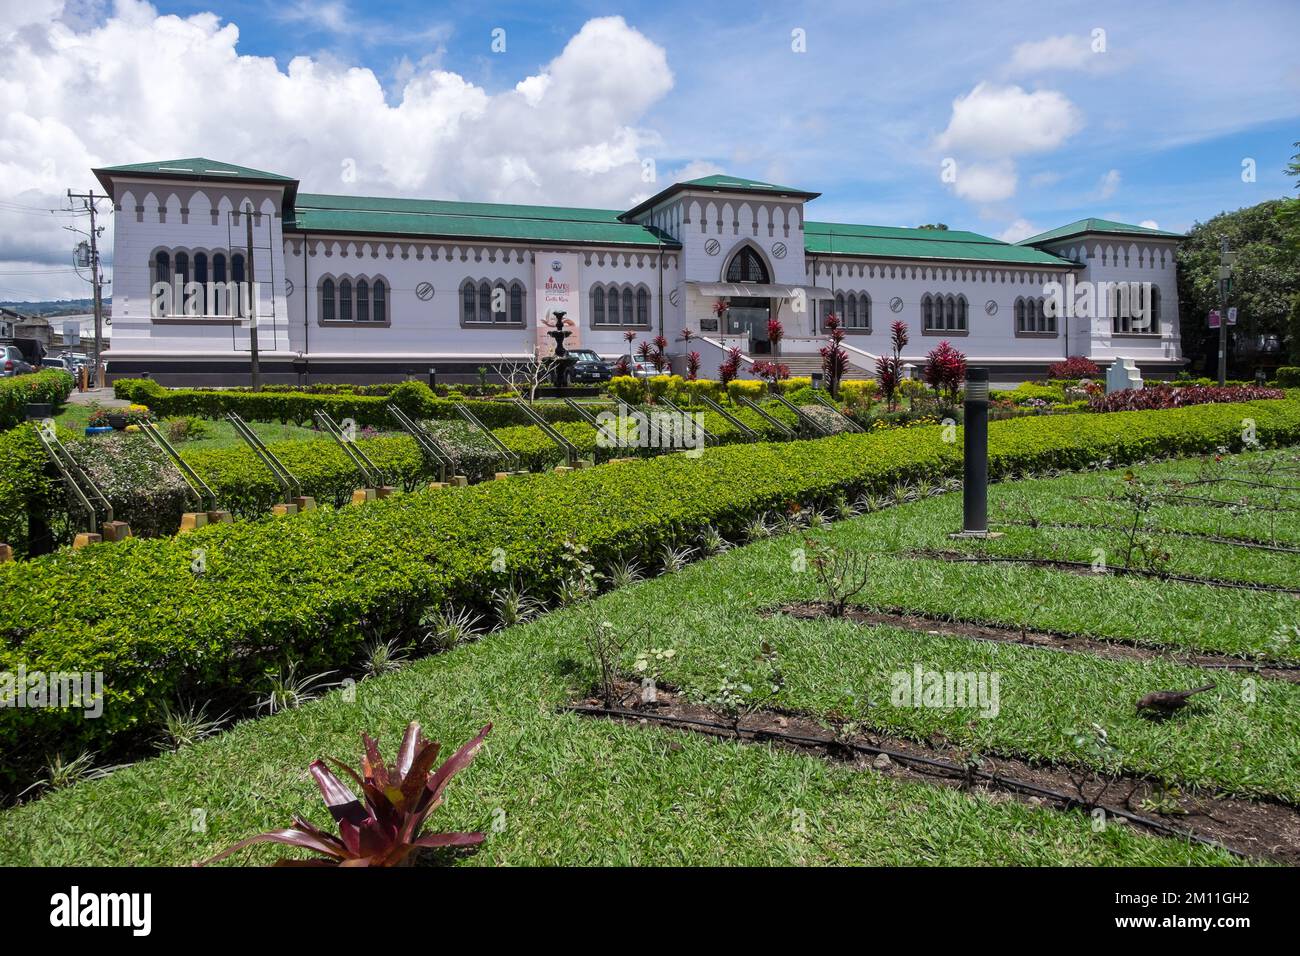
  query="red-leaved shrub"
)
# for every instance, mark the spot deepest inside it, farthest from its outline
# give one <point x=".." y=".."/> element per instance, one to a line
<point x="1076" y="366"/>
<point x="1171" y="396"/>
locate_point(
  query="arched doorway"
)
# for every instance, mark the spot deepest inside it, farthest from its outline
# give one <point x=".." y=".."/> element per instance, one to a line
<point x="748" y="316"/>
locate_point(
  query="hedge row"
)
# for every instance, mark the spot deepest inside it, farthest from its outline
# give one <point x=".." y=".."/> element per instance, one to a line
<point x="47" y="386"/>
<point x="313" y="589"/>
<point x="414" y="398"/>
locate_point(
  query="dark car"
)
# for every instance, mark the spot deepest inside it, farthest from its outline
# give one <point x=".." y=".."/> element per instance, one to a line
<point x="590" y="367"/>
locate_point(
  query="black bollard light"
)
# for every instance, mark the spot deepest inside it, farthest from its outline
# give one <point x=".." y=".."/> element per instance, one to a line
<point x="975" y="457"/>
<point x="817" y="381"/>
<point x="433" y="377"/>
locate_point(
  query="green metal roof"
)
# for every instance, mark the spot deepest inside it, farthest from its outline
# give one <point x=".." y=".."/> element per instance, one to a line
<point x="736" y="182"/>
<point x="208" y="170"/>
<point x="719" y="183"/>
<point x="893" y="242"/>
<point x="1083" y="226"/>
<point x="199" y="168"/>
<point x="433" y="217"/>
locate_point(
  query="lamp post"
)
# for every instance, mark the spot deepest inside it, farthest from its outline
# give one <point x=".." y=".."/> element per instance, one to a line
<point x="433" y="378"/>
<point x="975" y="458"/>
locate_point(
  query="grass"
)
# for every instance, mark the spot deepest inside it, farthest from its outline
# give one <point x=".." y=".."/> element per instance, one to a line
<point x="571" y="790"/>
<point x="217" y="433"/>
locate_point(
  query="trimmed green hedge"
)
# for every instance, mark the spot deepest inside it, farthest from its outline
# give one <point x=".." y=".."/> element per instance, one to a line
<point x="414" y="398"/>
<point x="313" y="588"/>
<point x="1288" y="376"/>
<point x="49" y="385"/>
<point x="23" y="484"/>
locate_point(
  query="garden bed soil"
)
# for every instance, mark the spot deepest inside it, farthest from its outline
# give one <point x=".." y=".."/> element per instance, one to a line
<point x="1252" y="828"/>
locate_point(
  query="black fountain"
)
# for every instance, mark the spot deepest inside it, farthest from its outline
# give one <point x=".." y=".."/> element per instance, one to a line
<point x="564" y="358"/>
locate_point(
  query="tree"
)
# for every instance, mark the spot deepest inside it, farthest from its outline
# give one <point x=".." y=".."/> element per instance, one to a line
<point x="524" y="378"/>
<point x="835" y="361"/>
<point x="889" y="368"/>
<point x="945" y="370"/>
<point x="1266" y="277"/>
<point x="775" y="333"/>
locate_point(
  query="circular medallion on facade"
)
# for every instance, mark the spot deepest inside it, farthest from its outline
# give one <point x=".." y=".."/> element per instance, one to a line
<point x="712" y="247"/>
<point x="424" y="291"/>
<point x="288" y="287"/>
<point x="990" y="307"/>
<point x="895" y="304"/>
<point x="779" y="250"/>
<point x="673" y="297"/>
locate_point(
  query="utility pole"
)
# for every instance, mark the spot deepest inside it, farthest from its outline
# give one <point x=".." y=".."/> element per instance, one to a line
<point x="1225" y="282"/>
<point x="252" y="298"/>
<point x="97" y="280"/>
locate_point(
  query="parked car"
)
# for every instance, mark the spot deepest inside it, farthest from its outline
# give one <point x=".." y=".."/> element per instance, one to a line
<point x="54" y="361"/>
<point x="589" y="367"/>
<point x="12" y="362"/>
<point x="638" y="368"/>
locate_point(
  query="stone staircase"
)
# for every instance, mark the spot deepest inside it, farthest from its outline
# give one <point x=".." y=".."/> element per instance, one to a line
<point x="803" y="365"/>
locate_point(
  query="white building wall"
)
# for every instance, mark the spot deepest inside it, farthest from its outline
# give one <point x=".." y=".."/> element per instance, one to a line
<point x="149" y="216"/>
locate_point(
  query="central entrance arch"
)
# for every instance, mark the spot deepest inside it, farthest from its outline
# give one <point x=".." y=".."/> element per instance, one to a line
<point x="746" y="315"/>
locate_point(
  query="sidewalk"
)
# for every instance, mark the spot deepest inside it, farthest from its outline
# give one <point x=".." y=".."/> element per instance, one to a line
<point x="98" y="396"/>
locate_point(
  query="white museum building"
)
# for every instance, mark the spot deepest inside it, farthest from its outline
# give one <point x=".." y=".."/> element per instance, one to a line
<point x="353" y="288"/>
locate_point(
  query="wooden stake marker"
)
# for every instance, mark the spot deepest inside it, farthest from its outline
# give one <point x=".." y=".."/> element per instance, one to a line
<point x="192" y="520"/>
<point x="281" y="511"/>
<point x="85" y="539"/>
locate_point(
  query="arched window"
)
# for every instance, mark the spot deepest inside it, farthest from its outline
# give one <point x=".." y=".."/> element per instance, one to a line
<point x="1019" y="310"/>
<point x="468" y="303"/>
<point x="162" y="267"/>
<point x="328" y="307"/>
<point x="864" y="312"/>
<point x="363" y="300"/>
<point x="1153" y="304"/>
<point x="182" y="265"/>
<point x="485" y="303"/>
<point x="851" y="311"/>
<point x="961" y="313"/>
<point x="927" y="313"/>
<point x="839" y="306"/>
<point x="747" y="266"/>
<point x="613" y="306"/>
<point x="201" y="277"/>
<point x="345" y="300"/>
<point x="516" y="304"/>
<point x="642" y="307"/>
<point x="628" y="306"/>
<point x="597" y="305"/>
<point x="162" y="272"/>
<point x="237" y="277"/>
<point x="950" y="313"/>
<point x="380" y="293"/>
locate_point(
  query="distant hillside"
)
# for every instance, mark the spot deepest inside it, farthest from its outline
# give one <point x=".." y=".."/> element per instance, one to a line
<point x="58" y="307"/>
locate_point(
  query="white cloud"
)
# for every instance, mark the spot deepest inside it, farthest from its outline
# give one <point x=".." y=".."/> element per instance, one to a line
<point x="1019" y="229"/>
<point x="137" y="86"/>
<point x="985" y="182"/>
<point x="1008" y="121"/>
<point x="1069" y="52"/>
<point x="1109" y="184"/>
<point x="1149" y="224"/>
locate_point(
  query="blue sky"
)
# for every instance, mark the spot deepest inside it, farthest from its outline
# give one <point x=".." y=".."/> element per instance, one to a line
<point x="1043" y="112"/>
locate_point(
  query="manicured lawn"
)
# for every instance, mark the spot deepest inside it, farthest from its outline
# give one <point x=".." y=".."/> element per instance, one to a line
<point x="577" y="790"/>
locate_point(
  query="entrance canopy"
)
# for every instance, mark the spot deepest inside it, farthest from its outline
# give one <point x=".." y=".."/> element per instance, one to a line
<point x="758" y="290"/>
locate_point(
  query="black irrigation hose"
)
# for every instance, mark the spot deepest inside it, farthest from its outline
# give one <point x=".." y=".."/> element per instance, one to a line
<point x="1137" y="572"/>
<point x="1008" y="783"/>
<point x="1212" y="538"/>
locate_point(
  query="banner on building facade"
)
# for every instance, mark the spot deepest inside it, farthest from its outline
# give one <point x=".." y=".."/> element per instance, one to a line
<point x="557" y="288"/>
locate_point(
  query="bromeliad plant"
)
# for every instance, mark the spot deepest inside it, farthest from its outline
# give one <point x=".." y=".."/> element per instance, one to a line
<point x="385" y="829"/>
